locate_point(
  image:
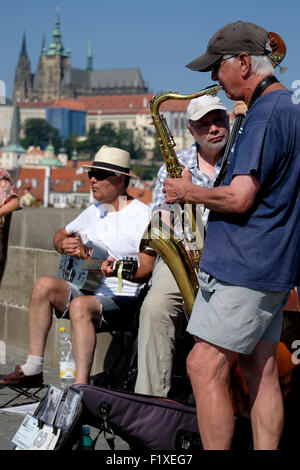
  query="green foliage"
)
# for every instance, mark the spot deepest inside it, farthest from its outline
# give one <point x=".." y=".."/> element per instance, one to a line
<point x="146" y="172"/>
<point x="157" y="156"/>
<point x="38" y="133"/>
<point x="109" y="135"/>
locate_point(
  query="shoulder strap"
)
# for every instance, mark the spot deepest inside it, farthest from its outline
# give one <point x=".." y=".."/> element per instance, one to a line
<point x="261" y="87"/>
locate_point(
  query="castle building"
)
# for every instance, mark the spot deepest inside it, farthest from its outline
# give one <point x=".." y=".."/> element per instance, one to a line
<point x="55" y="77"/>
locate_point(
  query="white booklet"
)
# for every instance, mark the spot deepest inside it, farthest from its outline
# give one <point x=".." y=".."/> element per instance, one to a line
<point x="27" y="433"/>
<point x="32" y="437"/>
<point x="37" y="432"/>
<point x="42" y="431"/>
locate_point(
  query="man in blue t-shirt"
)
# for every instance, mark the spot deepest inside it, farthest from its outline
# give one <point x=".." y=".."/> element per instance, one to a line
<point x="251" y="256"/>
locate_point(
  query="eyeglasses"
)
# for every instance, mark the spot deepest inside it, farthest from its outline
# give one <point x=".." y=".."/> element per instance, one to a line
<point x="205" y="125"/>
<point x="216" y="67"/>
<point x="100" y="175"/>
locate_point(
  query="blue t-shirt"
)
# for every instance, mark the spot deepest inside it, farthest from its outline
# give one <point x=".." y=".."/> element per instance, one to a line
<point x="261" y="249"/>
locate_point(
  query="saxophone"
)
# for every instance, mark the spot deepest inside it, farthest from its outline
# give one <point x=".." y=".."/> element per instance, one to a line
<point x="182" y="255"/>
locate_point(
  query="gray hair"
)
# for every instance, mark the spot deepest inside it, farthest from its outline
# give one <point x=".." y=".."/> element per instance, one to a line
<point x="260" y="64"/>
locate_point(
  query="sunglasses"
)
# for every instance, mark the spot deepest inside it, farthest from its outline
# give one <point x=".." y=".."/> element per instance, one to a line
<point x="100" y="175"/>
<point x="216" y="67"/>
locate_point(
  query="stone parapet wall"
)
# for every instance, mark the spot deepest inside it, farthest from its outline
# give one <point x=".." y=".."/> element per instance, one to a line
<point x="30" y="254"/>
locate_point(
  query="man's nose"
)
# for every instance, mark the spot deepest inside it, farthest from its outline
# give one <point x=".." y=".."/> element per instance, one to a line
<point x="213" y="127"/>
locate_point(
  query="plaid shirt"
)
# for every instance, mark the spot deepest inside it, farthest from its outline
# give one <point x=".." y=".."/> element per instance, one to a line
<point x="188" y="158"/>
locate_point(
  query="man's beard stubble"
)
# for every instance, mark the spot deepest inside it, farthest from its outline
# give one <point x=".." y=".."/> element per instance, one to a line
<point x="218" y="146"/>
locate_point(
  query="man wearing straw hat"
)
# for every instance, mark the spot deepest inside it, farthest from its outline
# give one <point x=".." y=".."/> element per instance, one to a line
<point x="116" y="221"/>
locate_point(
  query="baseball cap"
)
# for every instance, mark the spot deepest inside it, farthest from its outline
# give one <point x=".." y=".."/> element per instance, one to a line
<point x="233" y="38"/>
<point x="198" y="107"/>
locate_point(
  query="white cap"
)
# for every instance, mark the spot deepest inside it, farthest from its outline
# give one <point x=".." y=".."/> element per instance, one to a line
<point x="198" y="107"/>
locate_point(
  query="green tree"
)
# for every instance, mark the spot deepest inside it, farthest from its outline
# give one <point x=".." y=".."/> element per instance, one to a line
<point x="157" y="155"/>
<point x="146" y="172"/>
<point x="109" y="135"/>
<point x="38" y="133"/>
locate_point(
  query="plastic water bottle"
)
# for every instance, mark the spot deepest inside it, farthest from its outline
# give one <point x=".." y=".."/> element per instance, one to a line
<point x="67" y="362"/>
<point x="87" y="441"/>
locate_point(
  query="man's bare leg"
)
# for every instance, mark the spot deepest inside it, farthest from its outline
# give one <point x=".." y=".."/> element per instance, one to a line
<point x="208" y="368"/>
<point x="48" y="292"/>
<point x="260" y="373"/>
<point x="85" y="316"/>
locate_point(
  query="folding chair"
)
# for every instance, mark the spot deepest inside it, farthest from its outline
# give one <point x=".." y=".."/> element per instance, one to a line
<point x="30" y="393"/>
<point x="120" y="365"/>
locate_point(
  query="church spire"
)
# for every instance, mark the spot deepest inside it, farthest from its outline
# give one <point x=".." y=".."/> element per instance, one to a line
<point x="89" y="59"/>
<point x="43" y="49"/>
<point x="23" y="78"/>
<point x="56" y="47"/>
<point x="23" y="52"/>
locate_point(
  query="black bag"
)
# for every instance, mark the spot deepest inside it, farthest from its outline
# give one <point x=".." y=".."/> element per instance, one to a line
<point x="147" y="422"/>
<point x="70" y="438"/>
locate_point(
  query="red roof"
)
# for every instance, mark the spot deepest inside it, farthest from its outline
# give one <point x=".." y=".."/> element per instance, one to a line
<point x="130" y="104"/>
<point x="62" y="182"/>
<point x="35" y="150"/>
<point x="67" y="103"/>
<point x="142" y="194"/>
<point x="59" y="103"/>
<point x="111" y="104"/>
<point x="26" y="176"/>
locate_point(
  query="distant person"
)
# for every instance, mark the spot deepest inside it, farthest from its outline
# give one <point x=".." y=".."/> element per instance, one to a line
<point x="9" y="202"/>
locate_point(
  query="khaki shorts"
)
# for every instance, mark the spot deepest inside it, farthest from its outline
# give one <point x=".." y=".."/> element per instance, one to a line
<point x="118" y="311"/>
<point x="236" y="318"/>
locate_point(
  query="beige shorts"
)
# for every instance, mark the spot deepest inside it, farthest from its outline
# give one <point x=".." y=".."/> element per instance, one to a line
<point x="236" y="318"/>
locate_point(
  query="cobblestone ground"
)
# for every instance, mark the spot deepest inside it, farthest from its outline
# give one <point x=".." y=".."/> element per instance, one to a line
<point x="10" y="422"/>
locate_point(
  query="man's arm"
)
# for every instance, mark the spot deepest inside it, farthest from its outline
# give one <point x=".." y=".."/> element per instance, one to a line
<point x="66" y="243"/>
<point x="146" y="261"/>
<point x="144" y="271"/>
<point x="238" y="197"/>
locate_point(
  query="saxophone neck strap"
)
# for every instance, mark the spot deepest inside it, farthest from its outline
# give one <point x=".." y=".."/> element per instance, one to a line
<point x="261" y="87"/>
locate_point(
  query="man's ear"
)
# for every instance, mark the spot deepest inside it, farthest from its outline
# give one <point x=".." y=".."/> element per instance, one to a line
<point x="245" y="64"/>
<point x="122" y="179"/>
<point x="191" y="130"/>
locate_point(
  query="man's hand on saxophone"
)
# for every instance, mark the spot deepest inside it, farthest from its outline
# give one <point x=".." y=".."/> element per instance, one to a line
<point x="175" y="189"/>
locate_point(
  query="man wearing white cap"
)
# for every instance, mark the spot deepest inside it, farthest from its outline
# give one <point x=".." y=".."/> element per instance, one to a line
<point x="115" y="221"/>
<point x="162" y="307"/>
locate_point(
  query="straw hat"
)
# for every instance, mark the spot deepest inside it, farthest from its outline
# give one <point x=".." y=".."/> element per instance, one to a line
<point x="111" y="159"/>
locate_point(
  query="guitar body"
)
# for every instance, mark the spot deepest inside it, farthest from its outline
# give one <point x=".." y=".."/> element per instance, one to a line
<point x="86" y="273"/>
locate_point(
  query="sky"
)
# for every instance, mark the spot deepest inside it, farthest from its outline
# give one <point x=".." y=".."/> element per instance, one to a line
<point x="158" y="36"/>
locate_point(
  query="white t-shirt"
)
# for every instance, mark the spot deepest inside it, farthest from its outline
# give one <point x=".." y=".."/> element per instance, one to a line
<point x="121" y="231"/>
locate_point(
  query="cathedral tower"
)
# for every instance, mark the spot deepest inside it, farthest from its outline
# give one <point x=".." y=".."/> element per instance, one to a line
<point x="23" y="77"/>
<point x="52" y="67"/>
<point x="55" y="78"/>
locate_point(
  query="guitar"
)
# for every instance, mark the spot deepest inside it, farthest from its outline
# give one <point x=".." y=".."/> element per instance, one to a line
<point x="85" y="272"/>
